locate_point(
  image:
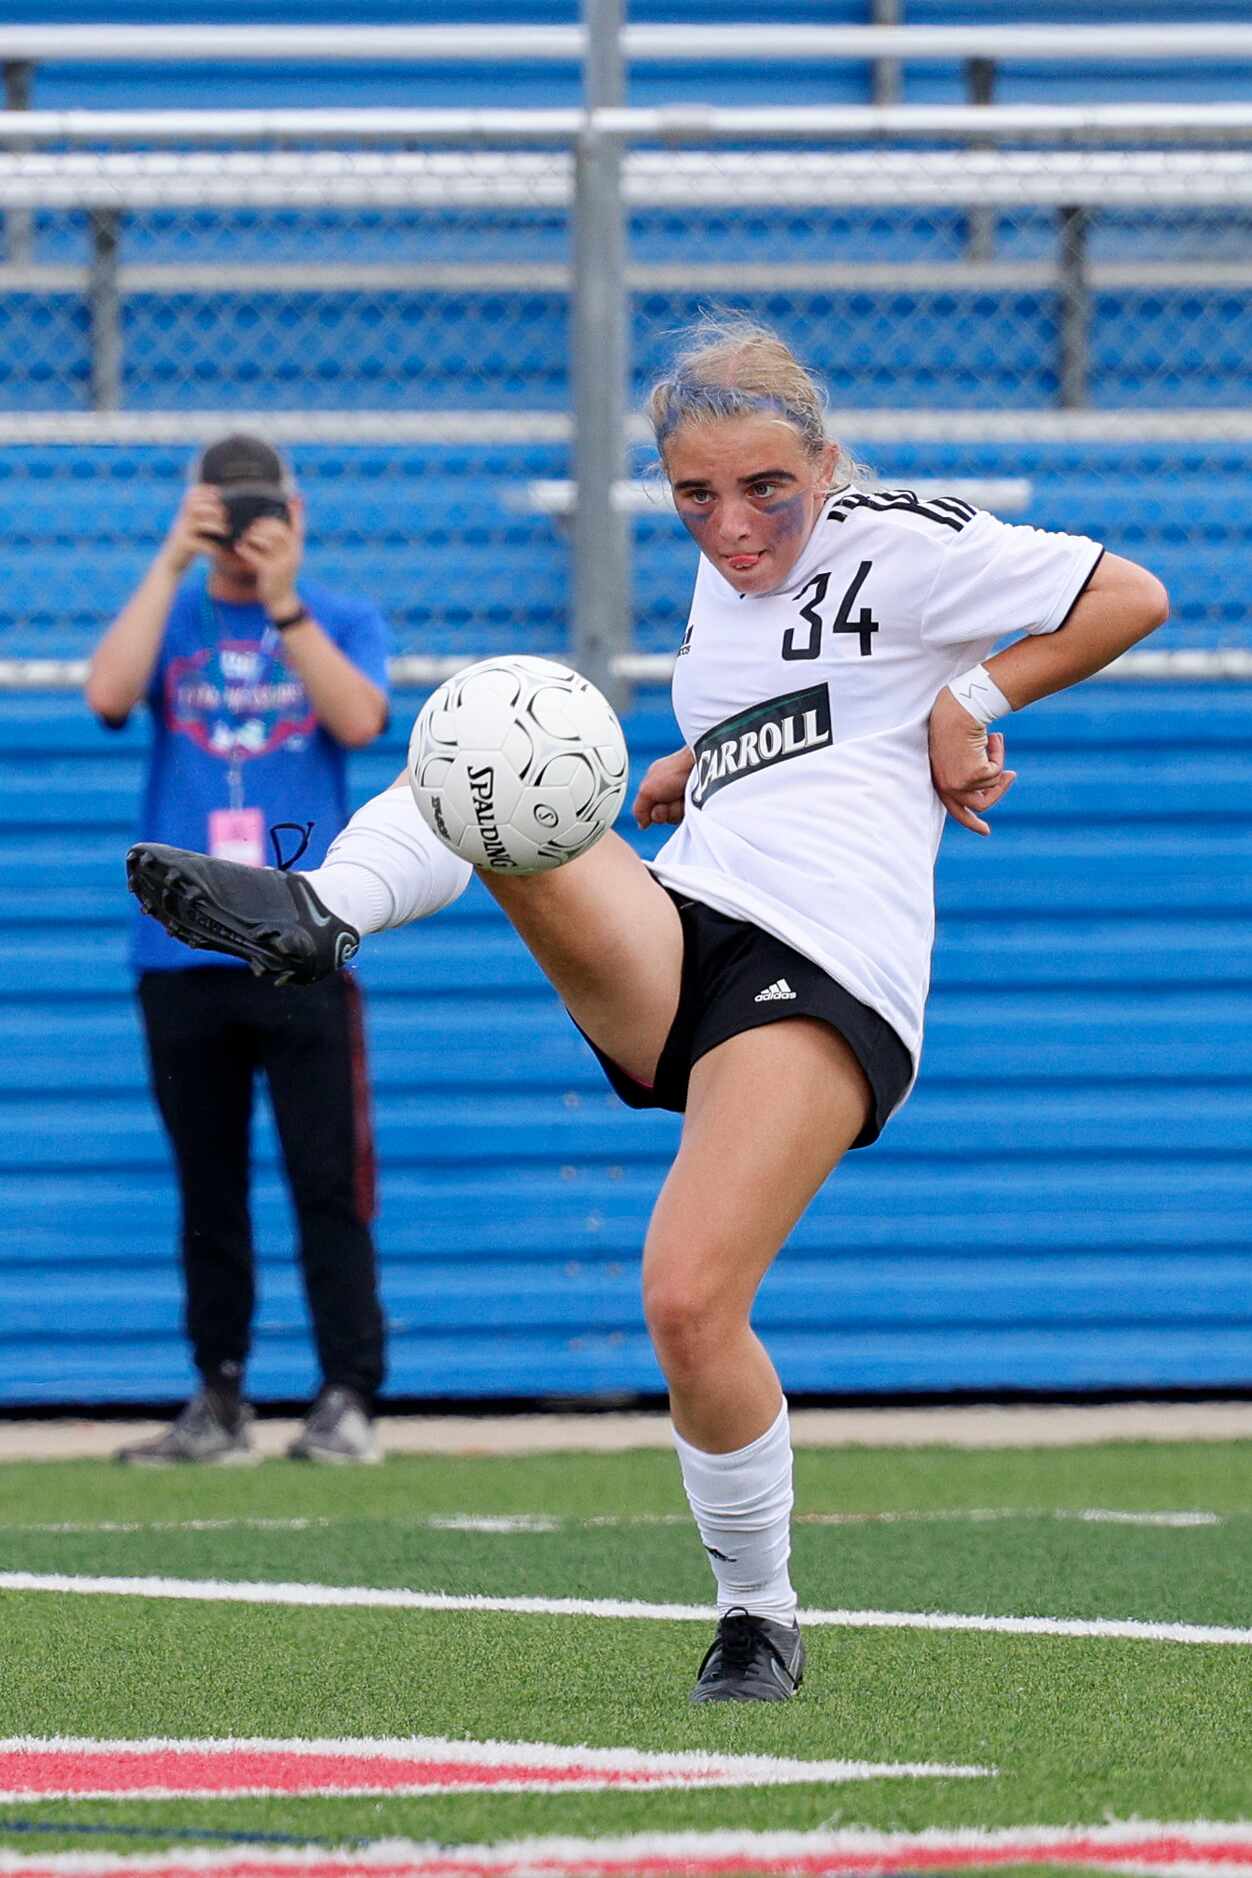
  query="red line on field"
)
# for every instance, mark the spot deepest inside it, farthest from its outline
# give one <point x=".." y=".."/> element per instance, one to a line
<point x="59" y="1768"/>
<point x="78" y="1773"/>
<point x="693" y="1855"/>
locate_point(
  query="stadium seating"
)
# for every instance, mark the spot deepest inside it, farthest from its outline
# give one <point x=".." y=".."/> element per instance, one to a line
<point x="493" y="576"/>
<point x="1066" y="1202"/>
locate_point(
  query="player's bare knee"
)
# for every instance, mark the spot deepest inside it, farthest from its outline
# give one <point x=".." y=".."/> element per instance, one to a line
<point x="689" y="1320"/>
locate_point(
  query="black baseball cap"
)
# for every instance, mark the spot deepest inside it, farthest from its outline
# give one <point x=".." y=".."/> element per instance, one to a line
<point x="244" y="463"/>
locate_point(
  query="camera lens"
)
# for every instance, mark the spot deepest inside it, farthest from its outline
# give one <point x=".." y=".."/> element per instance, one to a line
<point x="242" y="510"/>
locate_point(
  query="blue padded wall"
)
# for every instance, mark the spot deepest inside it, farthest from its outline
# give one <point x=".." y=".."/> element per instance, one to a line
<point x="1065" y="1203"/>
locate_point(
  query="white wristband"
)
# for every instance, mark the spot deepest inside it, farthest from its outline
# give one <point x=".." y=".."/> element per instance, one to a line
<point x="977" y="692"/>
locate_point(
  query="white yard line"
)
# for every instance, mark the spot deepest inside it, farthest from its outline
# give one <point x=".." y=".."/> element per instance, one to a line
<point x="76" y="1526"/>
<point x="1106" y="1516"/>
<point x="1024" y="1426"/>
<point x="524" y="1524"/>
<point x="221" y="1591"/>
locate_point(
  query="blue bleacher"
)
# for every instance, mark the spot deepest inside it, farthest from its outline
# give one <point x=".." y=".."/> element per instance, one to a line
<point x="437" y="535"/>
<point x="1066" y="1201"/>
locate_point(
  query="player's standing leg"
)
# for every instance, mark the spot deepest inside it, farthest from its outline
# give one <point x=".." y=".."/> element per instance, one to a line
<point x="770" y="1113"/>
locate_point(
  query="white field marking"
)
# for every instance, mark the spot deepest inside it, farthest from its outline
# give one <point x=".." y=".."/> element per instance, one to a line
<point x="1147" y="1846"/>
<point x="962" y="1515"/>
<point x="173" y="1525"/>
<point x="1174" y="1868"/>
<point x="163" y="1769"/>
<point x="1196" y="1867"/>
<point x="1096" y="1515"/>
<point x="493" y="1522"/>
<point x="523" y="1523"/>
<point x="976" y="1515"/>
<point x="226" y="1591"/>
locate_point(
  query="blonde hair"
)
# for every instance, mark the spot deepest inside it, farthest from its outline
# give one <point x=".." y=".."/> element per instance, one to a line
<point x="730" y="366"/>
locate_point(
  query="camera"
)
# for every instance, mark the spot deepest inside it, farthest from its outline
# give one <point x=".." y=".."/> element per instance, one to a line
<point x="244" y="508"/>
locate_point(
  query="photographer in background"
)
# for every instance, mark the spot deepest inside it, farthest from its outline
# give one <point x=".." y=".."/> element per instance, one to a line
<point x="258" y="681"/>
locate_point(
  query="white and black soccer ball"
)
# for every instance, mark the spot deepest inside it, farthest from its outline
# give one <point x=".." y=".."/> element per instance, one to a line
<point x="518" y="764"/>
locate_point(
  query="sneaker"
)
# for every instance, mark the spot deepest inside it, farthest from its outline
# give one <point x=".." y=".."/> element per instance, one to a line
<point x="272" y="919"/>
<point x="338" y="1430"/>
<point x="203" y="1434"/>
<point x="751" y="1659"/>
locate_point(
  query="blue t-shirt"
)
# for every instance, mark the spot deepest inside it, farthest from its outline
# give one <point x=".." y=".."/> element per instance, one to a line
<point x="233" y="728"/>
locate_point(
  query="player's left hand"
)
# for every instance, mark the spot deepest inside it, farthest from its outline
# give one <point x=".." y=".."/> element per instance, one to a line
<point x="663" y="790"/>
<point x="273" y="548"/>
<point x="966" y="764"/>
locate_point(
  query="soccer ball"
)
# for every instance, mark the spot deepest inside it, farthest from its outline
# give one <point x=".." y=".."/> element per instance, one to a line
<point x="518" y="764"/>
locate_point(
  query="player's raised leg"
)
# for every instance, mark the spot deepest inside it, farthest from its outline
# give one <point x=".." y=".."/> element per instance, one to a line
<point x="610" y="941"/>
<point x="770" y="1113"/>
<point x="515" y="763"/>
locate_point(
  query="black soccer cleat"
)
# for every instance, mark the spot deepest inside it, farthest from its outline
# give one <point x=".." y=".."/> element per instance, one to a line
<point x="751" y="1659"/>
<point x="271" y="919"/>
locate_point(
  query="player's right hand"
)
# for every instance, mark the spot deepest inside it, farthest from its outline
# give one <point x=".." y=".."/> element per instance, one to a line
<point x="197" y="528"/>
<point x="966" y="765"/>
<point x="661" y="793"/>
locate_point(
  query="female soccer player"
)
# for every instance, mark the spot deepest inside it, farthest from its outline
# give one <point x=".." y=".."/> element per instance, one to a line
<point x="766" y="973"/>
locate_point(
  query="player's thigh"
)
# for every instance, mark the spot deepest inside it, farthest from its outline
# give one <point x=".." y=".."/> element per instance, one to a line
<point x="770" y="1114"/>
<point x="610" y="940"/>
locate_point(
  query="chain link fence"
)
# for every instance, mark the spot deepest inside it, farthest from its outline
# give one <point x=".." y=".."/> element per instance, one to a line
<point x="1065" y="325"/>
<point x="397" y="321"/>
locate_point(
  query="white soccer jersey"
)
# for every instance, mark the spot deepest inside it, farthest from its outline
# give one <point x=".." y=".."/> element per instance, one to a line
<point x="810" y="810"/>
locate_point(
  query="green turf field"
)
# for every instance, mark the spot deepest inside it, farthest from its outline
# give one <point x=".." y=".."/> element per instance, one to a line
<point x="1078" y="1729"/>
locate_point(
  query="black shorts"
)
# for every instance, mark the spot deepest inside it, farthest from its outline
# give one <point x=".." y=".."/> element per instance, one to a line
<point x="736" y="977"/>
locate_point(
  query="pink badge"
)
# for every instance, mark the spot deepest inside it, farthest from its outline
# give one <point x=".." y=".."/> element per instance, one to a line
<point x="237" y="835"/>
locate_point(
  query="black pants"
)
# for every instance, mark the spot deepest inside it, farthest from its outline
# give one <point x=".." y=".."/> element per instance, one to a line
<point x="210" y="1029"/>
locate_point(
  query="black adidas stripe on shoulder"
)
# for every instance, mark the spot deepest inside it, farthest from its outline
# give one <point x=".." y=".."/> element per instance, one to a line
<point x="949" y="510"/>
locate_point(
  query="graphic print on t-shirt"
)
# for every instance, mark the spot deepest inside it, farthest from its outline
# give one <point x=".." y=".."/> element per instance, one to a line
<point x="759" y="737"/>
<point x="236" y="700"/>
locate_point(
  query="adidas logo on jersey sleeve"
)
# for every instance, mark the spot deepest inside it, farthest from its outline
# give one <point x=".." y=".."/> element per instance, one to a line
<point x="775" y="993"/>
<point x="949" y="511"/>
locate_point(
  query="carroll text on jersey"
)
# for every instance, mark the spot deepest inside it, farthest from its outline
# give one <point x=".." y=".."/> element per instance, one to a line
<point x="760" y="737"/>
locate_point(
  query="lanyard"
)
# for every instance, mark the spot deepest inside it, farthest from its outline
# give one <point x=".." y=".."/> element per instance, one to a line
<point x="212" y="625"/>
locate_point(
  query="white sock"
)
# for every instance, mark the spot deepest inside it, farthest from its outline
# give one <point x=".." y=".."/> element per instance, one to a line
<point x="386" y="867"/>
<point x="742" y="1505"/>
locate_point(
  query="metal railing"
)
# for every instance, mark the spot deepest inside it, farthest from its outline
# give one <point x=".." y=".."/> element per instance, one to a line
<point x="604" y="45"/>
<point x="596" y="179"/>
<point x="1217" y="43"/>
<point x="595" y="167"/>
